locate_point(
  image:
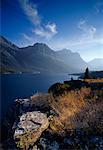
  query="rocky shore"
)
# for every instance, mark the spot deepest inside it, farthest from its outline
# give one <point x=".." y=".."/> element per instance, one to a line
<point x="68" y="117"/>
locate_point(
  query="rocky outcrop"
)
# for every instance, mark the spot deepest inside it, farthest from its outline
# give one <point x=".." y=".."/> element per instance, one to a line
<point x="30" y="128"/>
<point x="42" y="121"/>
<point x="60" y="88"/>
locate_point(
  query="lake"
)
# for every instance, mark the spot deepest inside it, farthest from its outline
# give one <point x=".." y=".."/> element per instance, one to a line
<point x="15" y="86"/>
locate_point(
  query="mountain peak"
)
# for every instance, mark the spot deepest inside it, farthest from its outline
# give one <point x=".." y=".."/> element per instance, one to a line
<point x="40" y="58"/>
<point x="96" y="64"/>
<point x="65" y="51"/>
<point x="41" y="45"/>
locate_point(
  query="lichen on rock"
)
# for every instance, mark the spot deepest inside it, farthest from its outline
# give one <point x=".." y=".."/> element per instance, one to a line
<point x="30" y="128"/>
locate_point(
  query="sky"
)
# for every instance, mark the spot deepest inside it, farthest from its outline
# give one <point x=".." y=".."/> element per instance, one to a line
<point x="70" y="24"/>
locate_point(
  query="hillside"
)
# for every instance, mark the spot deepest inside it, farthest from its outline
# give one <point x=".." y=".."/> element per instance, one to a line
<point x="70" y="112"/>
<point x="96" y="64"/>
<point x="38" y="58"/>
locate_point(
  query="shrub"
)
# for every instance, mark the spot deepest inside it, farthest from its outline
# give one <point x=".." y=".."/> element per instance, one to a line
<point x="77" y="109"/>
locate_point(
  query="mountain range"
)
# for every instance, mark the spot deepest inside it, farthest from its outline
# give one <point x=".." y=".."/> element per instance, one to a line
<point x="96" y="64"/>
<point x="39" y="58"/>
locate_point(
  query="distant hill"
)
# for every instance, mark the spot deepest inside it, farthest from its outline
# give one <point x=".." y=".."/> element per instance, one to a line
<point x="96" y="64"/>
<point x="72" y="58"/>
<point x="38" y="58"/>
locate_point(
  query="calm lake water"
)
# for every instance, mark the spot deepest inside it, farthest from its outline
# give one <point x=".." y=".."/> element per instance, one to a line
<point x="15" y="86"/>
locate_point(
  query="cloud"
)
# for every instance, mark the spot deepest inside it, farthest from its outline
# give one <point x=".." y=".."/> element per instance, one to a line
<point x="31" y="11"/>
<point x="75" y="44"/>
<point x="47" y="31"/>
<point x="26" y="37"/>
<point x="88" y="36"/>
<point x="99" y="7"/>
<point x="87" y="29"/>
<point x="51" y="27"/>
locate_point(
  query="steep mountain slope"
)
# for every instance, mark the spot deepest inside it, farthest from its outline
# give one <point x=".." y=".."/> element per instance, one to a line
<point x="8" y="55"/>
<point x="96" y="64"/>
<point x="41" y="58"/>
<point x="38" y="58"/>
<point x="74" y="59"/>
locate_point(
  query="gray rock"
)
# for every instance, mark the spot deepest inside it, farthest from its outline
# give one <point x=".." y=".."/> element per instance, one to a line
<point x="30" y="128"/>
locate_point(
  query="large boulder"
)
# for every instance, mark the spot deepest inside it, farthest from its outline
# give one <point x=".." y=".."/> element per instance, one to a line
<point x="30" y="128"/>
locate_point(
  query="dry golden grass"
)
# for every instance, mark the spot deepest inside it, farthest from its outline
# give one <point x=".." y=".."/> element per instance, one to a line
<point x="40" y="100"/>
<point x="78" y="109"/>
<point x="74" y="109"/>
<point x="94" y="80"/>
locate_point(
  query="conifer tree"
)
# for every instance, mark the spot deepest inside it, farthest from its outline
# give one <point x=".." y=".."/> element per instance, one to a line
<point x="87" y="74"/>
